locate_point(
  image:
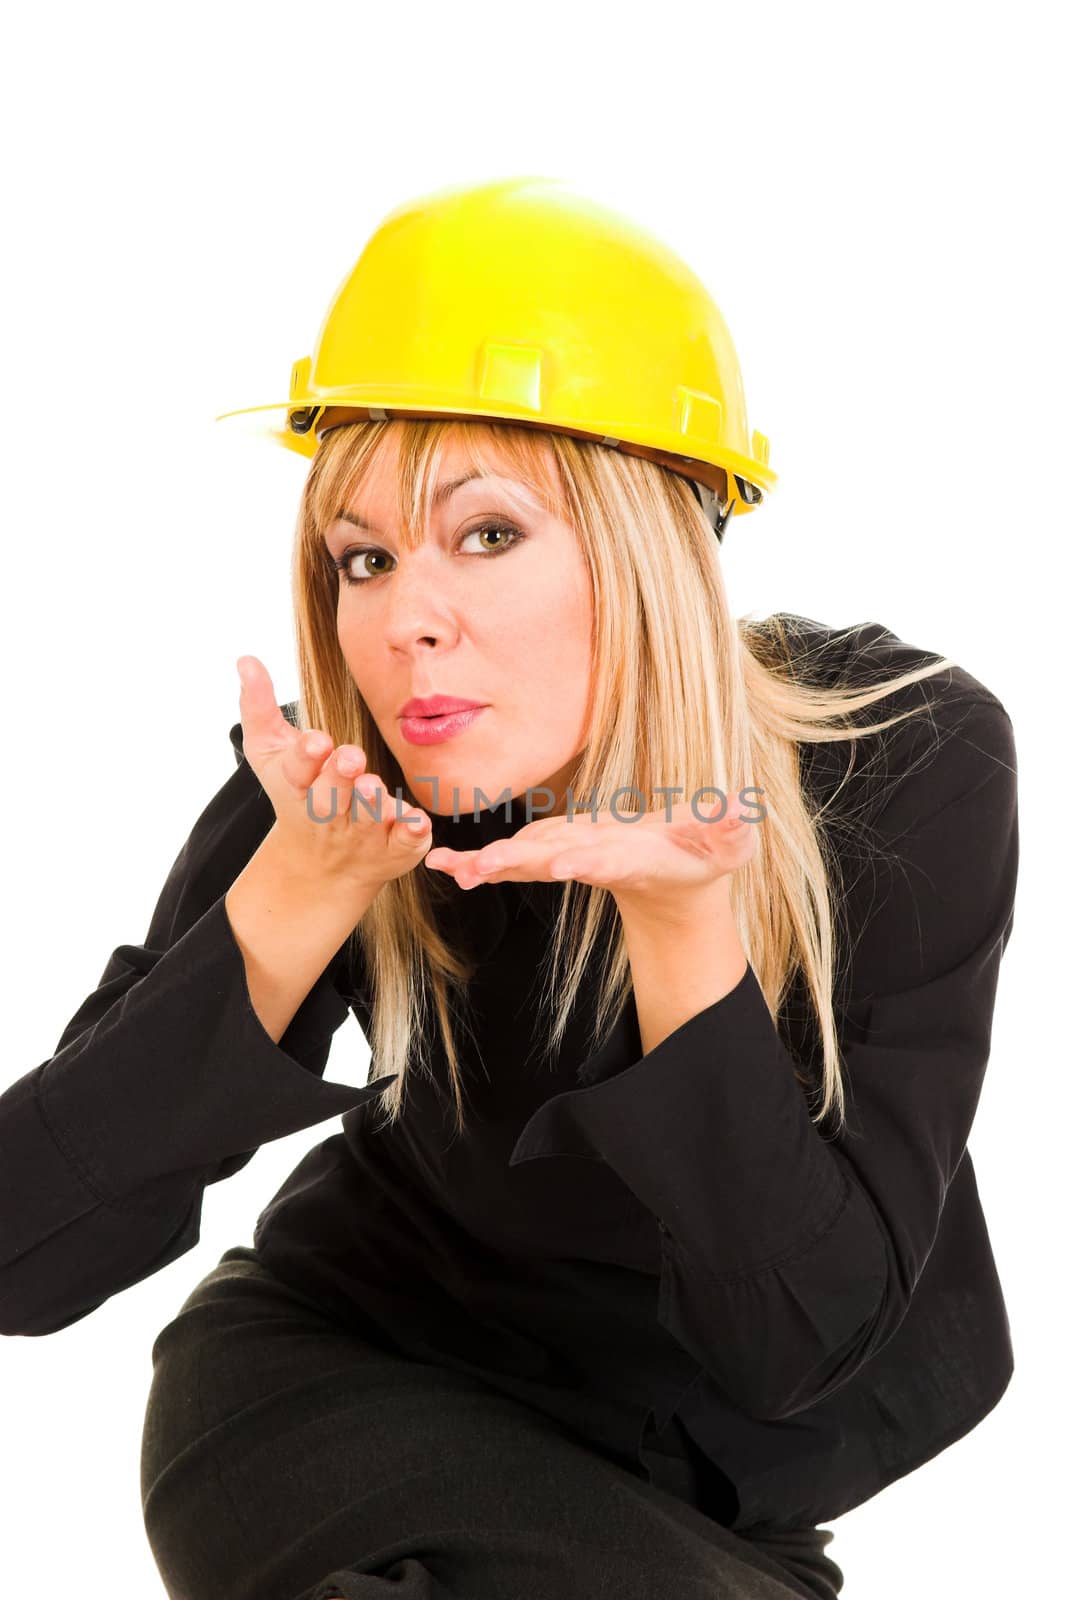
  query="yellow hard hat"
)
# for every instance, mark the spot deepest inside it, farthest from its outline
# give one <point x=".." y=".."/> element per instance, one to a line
<point x="522" y="301"/>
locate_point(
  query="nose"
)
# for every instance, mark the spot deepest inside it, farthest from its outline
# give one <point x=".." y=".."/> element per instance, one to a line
<point x="418" y="610"/>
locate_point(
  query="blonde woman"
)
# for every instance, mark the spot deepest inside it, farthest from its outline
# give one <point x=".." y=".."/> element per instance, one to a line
<point x="653" y="1240"/>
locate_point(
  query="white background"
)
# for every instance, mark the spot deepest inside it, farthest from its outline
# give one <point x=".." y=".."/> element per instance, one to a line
<point x="871" y="194"/>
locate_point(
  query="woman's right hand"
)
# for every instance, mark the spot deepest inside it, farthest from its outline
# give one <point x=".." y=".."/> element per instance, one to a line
<point x="353" y="847"/>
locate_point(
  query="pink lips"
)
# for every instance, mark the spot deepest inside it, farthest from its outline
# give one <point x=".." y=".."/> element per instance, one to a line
<point x="436" y="705"/>
<point x="432" y="730"/>
<point x="438" y="717"/>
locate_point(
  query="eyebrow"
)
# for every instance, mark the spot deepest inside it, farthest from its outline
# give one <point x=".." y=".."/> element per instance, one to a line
<point x="443" y="492"/>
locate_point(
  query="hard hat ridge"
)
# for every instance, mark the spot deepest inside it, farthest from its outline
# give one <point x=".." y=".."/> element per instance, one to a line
<point x="518" y="300"/>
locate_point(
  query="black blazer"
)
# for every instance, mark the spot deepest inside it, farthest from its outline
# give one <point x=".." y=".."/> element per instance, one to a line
<point x="663" y="1252"/>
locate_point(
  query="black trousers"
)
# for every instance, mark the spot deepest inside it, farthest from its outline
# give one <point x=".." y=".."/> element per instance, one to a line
<point x="287" y="1456"/>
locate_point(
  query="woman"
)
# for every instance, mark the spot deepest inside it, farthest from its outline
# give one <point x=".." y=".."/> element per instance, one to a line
<point x="653" y="1240"/>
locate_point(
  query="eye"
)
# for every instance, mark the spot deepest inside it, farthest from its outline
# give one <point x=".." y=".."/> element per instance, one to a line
<point x="512" y="536"/>
<point x="343" y="564"/>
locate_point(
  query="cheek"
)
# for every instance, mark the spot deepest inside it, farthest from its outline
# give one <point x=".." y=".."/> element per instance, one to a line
<point x="557" y="613"/>
<point x="356" y="627"/>
<point x="543" y="646"/>
<point x="360" y="652"/>
<point x="570" y="631"/>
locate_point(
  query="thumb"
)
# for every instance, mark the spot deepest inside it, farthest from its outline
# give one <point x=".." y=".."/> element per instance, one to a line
<point x="262" y="719"/>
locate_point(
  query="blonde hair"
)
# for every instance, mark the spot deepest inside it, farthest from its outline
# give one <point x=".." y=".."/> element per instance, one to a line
<point x="678" y="688"/>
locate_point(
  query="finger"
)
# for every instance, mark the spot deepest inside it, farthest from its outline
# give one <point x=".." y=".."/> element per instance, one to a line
<point x="406" y="827"/>
<point x="731" y="835"/>
<point x="463" y="865"/>
<point x="330" y="791"/>
<point x="455" y="858"/>
<point x="412" y="829"/>
<point x="303" y="759"/>
<point x="438" y="851"/>
<point x="590" y="866"/>
<point x="526" y="859"/>
<point x="734" y="813"/>
<point x="720" y="821"/>
<point x="264" y="724"/>
<point x="496" y="864"/>
<point x="740" y="841"/>
<point x="372" y="803"/>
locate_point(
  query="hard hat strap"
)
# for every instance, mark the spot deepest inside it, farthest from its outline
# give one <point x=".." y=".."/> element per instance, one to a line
<point x="712" y="506"/>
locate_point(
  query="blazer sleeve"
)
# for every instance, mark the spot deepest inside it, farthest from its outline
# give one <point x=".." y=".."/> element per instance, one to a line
<point x="162" y="1082"/>
<point x="789" y="1257"/>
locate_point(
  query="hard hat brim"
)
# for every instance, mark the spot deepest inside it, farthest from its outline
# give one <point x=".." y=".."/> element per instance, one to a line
<point x="354" y="406"/>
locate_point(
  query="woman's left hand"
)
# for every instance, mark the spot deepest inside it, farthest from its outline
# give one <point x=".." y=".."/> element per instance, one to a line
<point x="646" y="862"/>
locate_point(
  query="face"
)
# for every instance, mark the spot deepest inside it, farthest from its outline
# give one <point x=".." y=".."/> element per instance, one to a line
<point x="494" y="608"/>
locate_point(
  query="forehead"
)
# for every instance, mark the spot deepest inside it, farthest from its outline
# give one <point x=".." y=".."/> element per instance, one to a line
<point x="455" y="461"/>
<point x="460" y="470"/>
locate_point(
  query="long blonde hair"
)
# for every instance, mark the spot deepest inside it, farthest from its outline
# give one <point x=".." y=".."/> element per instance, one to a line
<point x="678" y="688"/>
